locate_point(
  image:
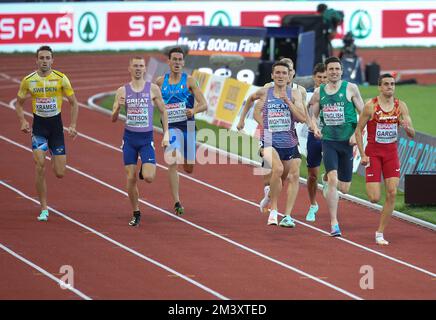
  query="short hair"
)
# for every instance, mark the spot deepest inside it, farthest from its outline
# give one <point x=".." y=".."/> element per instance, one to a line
<point x="135" y="58"/>
<point x="332" y="60"/>
<point x="319" y="68"/>
<point x="44" y="48"/>
<point x="384" y="75"/>
<point x="288" y="61"/>
<point x="321" y="8"/>
<point x="176" y="50"/>
<point x="280" y="63"/>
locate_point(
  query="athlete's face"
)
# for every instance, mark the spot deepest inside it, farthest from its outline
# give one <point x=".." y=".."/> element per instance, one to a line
<point x="44" y="61"/>
<point x="334" y="71"/>
<point x="280" y="75"/>
<point x="137" y="68"/>
<point x="319" y="78"/>
<point x="387" y="87"/>
<point x="176" y="62"/>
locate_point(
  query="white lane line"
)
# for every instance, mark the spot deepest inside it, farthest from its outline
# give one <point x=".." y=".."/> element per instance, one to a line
<point x="118" y="244"/>
<point x="257" y="253"/>
<point x="44" y="272"/>
<point x="404" y="263"/>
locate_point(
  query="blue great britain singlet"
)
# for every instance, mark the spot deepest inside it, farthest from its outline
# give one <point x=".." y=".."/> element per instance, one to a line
<point x="278" y="124"/>
<point x="139" y="109"/>
<point x="177" y="99"/>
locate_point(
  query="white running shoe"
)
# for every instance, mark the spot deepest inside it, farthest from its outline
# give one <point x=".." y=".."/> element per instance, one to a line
<point x="266" y="199"/>
<point x="272" y="219"/>
<point x="380" y="240"/>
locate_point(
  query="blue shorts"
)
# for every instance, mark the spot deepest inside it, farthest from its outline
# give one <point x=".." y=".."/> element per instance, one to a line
<point x="314" y="151"/>
<point x="48" y="134"/>
<point x="183" y="140"/>
<point x="338" y="155"/>
<point x="138" y="143"/>
<point x="285" y="154"/>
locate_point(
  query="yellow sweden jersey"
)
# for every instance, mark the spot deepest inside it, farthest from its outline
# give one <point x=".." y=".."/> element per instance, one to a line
<point x="46" y="92"/>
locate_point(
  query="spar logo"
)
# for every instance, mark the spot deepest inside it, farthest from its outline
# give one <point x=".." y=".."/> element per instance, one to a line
<point x="36" y="28"/>
<point x="266" y="18"/>
<point x="150" y="26"/>
<point x="360" y="24"/>
<point x="409" y="23"/>
<point x="220" y="19"/>
<point x="88" y="27"/>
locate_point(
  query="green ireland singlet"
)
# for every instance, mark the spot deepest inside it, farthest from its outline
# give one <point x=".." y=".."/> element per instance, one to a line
<point x="338" y="115"/>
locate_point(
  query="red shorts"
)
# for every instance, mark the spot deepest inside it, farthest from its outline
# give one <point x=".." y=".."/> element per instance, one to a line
<point x="382" y="159"/>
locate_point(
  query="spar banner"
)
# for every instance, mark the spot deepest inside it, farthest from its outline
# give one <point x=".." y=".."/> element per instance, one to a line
<point x="237" y="51"/>
<point x="417" y="155"/>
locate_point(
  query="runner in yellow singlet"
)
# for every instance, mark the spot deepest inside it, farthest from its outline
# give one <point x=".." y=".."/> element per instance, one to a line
<point x="46" y="87"/>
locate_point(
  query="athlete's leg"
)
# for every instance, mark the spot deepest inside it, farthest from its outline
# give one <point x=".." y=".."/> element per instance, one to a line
<point x="173" y="177"/>
<point x="293" y="184"/>
<point x="312" y="184"/>
<point x="373" y="191"/>
<point x="59" y="163"/>
<point x="132" y="186"/>
<point x="391" y="185"/>
<point x="41" y="186"/>
<point x="271" y="156"/>
<point x="332" y="196"/>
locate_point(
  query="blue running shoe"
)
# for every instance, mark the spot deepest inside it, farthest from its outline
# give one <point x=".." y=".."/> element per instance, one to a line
<point x="287" y="222"/>
<point x="336" y="232"/>
<point x="43" y="216"/>
<point x="311" y="214"/>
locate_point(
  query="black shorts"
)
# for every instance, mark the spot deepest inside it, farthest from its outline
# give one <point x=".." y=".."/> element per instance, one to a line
<point x="48" y="133"/>
<point x="338" y="155"/>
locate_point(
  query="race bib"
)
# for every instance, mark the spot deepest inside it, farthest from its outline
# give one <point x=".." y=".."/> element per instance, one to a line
<point x="386" y="132"/>
<point x="333" y="115"/>
<point x="137" y="117"/>
<point x="46" y="107"/>
<point x="176" y="112"/>
<point x="279" y="120"/>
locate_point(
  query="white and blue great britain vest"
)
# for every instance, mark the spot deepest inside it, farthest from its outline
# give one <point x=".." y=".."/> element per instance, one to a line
<point x="278" y="123"/>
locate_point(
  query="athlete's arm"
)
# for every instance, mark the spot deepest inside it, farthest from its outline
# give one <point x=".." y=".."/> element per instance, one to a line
<point x="314" y="104"/>
<point x="296" y="106"/>
<point x="248" y="104"/>
<point x="406" y="120"/>
<point x="24" y="124"/>
<point x="201" y="103"/>
<point x="120" y="100"/>
<point x="356" y="98"/>
<point x="156" y="95"/>
<point x="74" y="115"/>
<point x="159" y="81"/>
<point x="257" y="115"/>
<point x="364" y="117"/>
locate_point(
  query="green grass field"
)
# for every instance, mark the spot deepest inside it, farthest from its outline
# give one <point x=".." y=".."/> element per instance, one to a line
<point x="422" y="108"/>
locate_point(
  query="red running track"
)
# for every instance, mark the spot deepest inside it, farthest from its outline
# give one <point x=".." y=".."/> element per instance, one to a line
<point x="222" y="243"/>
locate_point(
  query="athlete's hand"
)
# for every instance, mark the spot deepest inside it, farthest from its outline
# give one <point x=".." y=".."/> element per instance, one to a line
<point x="72" y="131"/>
<point x="241" y="125"/>
<point x="352" y="140"/>
<point x="189" y="113"/>
<point x="364" y="160"/>
<point x="317" y="133"/>
<point x="166" y="140"/>
<point x="25" y="126"/>
<point x="404" y="123"/>
<point x="115" y="114"/>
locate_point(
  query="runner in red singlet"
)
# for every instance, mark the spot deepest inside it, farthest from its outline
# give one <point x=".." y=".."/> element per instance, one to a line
<point x="382" y="115"/>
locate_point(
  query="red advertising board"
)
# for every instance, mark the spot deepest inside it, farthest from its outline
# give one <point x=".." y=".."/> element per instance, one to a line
<point x="36" y="28"/>
<point x="266" y="18"/>
<point x="150" y="26"/>
<point x="408" y="23"/>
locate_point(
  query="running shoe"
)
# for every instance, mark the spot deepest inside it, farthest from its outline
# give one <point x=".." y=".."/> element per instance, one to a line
<point x="380" y="240"/>
<point x="136" y="218"/>
<point x="264" y="203"/>
<point x="287" y="222"/>
<point x="43" y="215"/>
<point x="178" y="209"/>
<point x="324" y="186"/>
<point x="272" y="219"/>
<point x="336" y="232"/>
<point x="311" y="214"/>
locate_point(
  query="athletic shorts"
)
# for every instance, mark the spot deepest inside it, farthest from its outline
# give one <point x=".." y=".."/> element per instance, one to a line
<point x="382" y="159"/>
<point x="285" y="154"/>
<point x="338" y="155"/>
<point x="183" y="140"/>
<point x="138" y="143"/>
<point x="48" y="134"/>
<point x="314" y="151"/>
